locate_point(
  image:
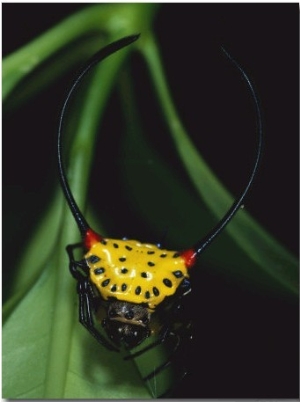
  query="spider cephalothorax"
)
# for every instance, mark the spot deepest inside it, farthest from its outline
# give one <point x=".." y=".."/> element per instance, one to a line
<point x="127" y="323"/>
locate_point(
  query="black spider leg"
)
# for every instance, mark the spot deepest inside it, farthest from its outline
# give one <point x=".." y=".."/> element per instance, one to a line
<point x="169" y="359"/>
<point x="184" y="332"/>
<point x="178" y="335"/>
<point x="179" y="370"/>
<point x="166" y="333"/>
<point x="182" y="291"/>
<point x="179" y="373"/>
<point x="79" y="270"/>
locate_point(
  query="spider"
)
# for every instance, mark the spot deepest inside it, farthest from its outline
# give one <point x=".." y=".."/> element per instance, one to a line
<point x="134" y="289"/>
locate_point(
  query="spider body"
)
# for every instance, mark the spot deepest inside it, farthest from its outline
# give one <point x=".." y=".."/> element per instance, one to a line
<point x="134" y="289"/>
<point x="135" y="278"/>
<point x="130" y="279"/>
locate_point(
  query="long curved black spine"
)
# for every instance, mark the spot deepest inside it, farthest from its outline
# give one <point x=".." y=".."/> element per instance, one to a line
<point x="200" y="246"/>
<point x="97" y="58"/>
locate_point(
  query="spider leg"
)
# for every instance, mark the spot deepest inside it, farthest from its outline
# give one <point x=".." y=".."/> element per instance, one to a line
<point x="168" y="320"/>
<point x="142" y="351"/>
<point x="176" y="329"/>
<point x="164" y="332"/>
<point x="178" y="334"/>
<point x="86" y="304"/>
<point x="80" y="271"/>
<point x="168" y="361"/>
<point x="179" y="366"/>
<point x="174" y="361"/>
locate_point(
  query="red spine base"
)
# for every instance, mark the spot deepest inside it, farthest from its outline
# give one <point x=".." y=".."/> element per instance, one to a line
<point x="91" y="238"/>
<point x="189" y="257"/>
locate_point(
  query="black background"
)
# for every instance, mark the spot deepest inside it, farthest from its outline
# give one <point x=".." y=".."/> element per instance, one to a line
<point x="245" y="344"/>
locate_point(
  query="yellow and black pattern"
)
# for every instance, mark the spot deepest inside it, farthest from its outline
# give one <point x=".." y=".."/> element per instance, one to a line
<point x="135" y="272"/>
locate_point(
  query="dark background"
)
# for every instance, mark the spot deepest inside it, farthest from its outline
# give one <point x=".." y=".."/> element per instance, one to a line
<point x="245" y="343"/>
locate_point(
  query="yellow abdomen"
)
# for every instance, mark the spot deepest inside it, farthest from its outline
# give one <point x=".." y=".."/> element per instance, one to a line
<point x="135" y="272"/>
